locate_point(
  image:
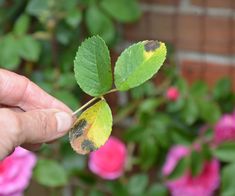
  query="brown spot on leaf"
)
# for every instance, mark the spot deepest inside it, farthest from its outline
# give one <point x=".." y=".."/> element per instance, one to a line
<point x="88" y="145"/>
<point x="78" y="129"/>
<point x="151" y="45"/>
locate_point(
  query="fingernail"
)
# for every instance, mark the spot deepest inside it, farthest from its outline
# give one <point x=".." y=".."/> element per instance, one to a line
<point x="64" y="121"/>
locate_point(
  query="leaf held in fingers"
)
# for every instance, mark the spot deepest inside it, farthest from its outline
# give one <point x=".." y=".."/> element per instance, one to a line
<point x="92" y="67"/>
<point x="138" y="63"/>
<point x="92" y="129"/>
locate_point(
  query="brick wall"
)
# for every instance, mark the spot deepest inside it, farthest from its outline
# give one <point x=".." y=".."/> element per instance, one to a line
<point x="202" y="32"/>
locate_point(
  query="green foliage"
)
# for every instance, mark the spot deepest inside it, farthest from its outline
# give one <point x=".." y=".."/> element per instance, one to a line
<point x="22" y="25"/>
<point x="137" y="184"/>
<point x="122" y="10"/>
<point x="50" y="173"/>
<point x="225" y="152"/>
<point x="100" y="24"/>
<point x="196" y="163"/>
<point x="180" y="168"/>
<point x="228" y="182"/>
<point x="157" y="189"/>
<point x="39" y="39"/>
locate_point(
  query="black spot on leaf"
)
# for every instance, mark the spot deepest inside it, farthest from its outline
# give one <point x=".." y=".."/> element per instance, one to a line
<point x="79" y="128"/>
<point x="151" y="45"/>
<point x="88" y="145"/>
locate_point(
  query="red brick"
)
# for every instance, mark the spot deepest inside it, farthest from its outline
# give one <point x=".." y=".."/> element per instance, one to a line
<point x="161" y="26"/>
<point x="138" y="30"/>
<point x="208" y="72"/>
<point x="189" y="32"/>
<point x="215" y="72"/>
<point x="205" y="34"/>
<point x="214" y="3"/>
<point x="218" y="35"/>
<point x="165" y="2"/>
<point x="191" y="70"/>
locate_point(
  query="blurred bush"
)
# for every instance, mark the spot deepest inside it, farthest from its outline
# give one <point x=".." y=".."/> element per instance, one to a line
<point x="190" y="128"/>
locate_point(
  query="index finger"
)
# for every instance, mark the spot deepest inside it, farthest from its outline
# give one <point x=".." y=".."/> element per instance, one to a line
<point x="17" y="90"/>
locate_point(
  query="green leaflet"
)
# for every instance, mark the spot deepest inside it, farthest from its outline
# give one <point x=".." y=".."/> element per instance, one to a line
<point x="100" y="24"/>
<point x="50" y="173"/>
<point x="92" y="67"/>
<point x="29" y="48"/>
<point x="138" y="63"/>
<point x="122" y="10"/>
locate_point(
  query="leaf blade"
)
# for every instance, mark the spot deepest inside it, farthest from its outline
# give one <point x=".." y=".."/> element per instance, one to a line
<point x="179" y="169"/>
<point x="92" y="67"/>
<point x="225" y="152"/>
<point x="100" y="24"/>
<point x="92" y="129"/>
<point x="138" y="63"/>
<point x="50" y="173"/>
<point x="122" y="10"/>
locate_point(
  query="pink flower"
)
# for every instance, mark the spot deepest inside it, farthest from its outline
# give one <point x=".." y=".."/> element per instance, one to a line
<point x="202" y="185"/>
<point x="172" y="93"/>
<point x="108" y="162"/>
<point x="15" y="172"/>
<point x="225" y="129"/>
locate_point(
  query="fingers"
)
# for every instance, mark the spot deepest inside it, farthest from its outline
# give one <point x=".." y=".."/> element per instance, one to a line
<point x="16" y="90"/>
<point x="39" y="126"/>
<point x="32" y="127"/>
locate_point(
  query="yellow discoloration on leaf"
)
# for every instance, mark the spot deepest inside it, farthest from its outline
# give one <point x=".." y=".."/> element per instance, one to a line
<point x="148" y="53"/>
<point x="92" y="129"/>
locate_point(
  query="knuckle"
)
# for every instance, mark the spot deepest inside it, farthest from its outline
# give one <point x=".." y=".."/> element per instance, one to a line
<point x="44" y="124"/>
<point x="11" y="126"/>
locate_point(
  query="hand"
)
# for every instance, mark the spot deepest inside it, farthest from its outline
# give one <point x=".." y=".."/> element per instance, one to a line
<point x="28" y="115"/>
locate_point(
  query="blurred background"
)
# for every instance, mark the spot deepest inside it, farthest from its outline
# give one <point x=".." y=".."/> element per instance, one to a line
<point x="172" y="135"/>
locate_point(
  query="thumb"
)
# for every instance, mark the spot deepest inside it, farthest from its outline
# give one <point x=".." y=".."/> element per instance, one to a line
<point x="36" y="126"/>
<point x="40" y="126"/>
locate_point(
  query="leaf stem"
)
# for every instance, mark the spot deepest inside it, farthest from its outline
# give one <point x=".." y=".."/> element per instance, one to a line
<point x="91" y="101"/>
<point x="111" y="91"/>
<point x="85" y="105"/>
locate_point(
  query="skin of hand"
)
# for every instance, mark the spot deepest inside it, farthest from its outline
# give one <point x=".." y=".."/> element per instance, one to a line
<point x="28" y="115"/>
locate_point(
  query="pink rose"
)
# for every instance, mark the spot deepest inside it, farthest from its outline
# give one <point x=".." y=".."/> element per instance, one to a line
<point x="15" y="172"/>
<point x="225" y="129"/>
<point x="108" y="162"/>
<point x="172" y="93"/>
<point x="202" y="185"/>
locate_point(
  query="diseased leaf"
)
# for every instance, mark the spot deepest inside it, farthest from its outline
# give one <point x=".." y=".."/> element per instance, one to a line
<point x="138" y="63"/>
<point x="92" y="67"/>
<point x="92" y="129"/>
<point x="122" y="10"/>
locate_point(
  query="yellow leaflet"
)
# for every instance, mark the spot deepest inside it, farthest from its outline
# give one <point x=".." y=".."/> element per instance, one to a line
<point x="92" y="129"/>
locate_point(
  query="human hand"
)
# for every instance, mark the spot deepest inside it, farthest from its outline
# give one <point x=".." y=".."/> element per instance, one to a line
<point x="28" y="115"/>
